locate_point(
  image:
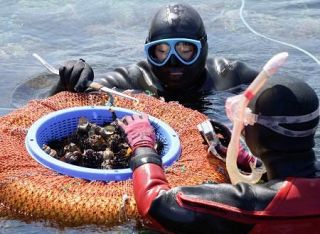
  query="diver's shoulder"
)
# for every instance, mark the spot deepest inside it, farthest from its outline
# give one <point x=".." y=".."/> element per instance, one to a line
<point x="133" y="71"/>
<point x="143" y="64"/>
<point x="222" y="65"/>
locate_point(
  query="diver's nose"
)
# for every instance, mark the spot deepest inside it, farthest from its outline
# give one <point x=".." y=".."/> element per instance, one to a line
<point x="174" y="60"/>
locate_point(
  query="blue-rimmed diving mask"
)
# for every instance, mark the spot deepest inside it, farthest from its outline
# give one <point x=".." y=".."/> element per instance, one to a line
<point x="186" y="50"/>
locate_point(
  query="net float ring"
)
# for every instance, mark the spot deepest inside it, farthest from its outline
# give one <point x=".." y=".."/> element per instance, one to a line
<point x="31" y="191"/>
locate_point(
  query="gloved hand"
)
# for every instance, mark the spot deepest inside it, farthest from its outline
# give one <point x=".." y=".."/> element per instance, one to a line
<point x="217" y="136"/>
<point x="75" y="76"/>
<point x="244" y="158"/>
<point x="139" y="131"/>
<point x="222" y="132"/>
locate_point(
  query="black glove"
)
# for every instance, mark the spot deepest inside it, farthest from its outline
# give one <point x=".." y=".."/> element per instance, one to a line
<point x="222" y="132"/>
<point x="217" y="136"/>
<point x="75" y="76"/>
<point x="244" y="158"/>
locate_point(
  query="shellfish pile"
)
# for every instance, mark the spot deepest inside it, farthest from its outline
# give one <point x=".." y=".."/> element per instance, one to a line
<point x="92" y="146"/>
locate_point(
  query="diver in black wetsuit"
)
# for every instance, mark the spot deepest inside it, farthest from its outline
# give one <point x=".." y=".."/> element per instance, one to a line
<point x="182" y="72"/>
<point x="176" y="69"/>
<point x="282" y="136"/>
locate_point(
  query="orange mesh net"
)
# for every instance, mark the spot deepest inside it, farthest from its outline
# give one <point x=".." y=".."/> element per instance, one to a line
<point x="30" y="191"/>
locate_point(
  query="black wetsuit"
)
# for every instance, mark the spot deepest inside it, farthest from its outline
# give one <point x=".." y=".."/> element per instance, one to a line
<point x="219" y="74"/>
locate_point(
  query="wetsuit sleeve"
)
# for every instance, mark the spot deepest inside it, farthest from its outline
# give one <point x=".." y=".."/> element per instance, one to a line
<point x="206" y="208"/>
<point x="123" y="78"/>
<point x="137" y="76"/>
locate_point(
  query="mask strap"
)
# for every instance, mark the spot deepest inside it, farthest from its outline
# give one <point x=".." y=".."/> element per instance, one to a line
<point x="273" y="123"/>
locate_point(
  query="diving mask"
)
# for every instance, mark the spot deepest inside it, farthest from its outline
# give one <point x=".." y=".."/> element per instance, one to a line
<point x="187" y="51"/>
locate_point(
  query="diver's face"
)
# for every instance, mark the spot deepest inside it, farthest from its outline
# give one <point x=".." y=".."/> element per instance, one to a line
<point x="184" y="50"/>
<point x="174" y="68"/>
<point x="181" y="64"/>
<point x="173" y="74"/>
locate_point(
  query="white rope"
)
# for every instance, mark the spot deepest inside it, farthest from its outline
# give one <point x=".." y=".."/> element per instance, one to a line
<point x="274" y="40"/>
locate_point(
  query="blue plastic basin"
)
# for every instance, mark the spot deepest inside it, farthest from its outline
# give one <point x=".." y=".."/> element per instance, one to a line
<point x="62" y="123"/>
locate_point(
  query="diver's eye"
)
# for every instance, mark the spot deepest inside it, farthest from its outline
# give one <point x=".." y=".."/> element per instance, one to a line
<point x="185" y="50"/>
<point x="161" y="51"/>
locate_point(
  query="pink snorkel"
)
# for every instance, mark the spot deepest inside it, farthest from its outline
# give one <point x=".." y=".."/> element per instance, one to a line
<point x="268" y="70"/>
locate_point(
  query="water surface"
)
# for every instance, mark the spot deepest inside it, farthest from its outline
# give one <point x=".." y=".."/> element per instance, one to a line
<point x="110" y="33"/>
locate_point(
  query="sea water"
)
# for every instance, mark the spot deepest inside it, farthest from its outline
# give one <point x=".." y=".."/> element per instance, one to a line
<point x="111" y="33"/>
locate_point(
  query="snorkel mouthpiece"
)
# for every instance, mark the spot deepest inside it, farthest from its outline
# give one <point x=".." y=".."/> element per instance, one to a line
<point x="235" y="175"/>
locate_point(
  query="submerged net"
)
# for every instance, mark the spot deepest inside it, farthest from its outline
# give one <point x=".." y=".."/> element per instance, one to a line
<point x="30" y="191"/>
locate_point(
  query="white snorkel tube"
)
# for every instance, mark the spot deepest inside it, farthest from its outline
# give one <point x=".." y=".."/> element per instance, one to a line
<point x="240" y="109"/>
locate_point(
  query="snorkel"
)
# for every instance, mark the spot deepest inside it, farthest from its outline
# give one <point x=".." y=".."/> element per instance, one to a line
<point x="239" y="107"/>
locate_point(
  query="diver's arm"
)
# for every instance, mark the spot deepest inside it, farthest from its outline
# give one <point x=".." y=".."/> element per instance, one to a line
<point x="137" y="76"/>
<point x="76" y="75"/>
<point x="192" y="209"/>
<point x="148" y="182"/>
<point x="122" y="78"/>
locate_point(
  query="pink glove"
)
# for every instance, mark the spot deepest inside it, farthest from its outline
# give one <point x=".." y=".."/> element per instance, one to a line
<point x="139" y="131"/>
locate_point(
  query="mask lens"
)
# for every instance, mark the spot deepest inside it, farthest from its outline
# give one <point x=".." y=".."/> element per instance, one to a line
<point x="186" y="50"/>
<point x="159" y="52"/>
